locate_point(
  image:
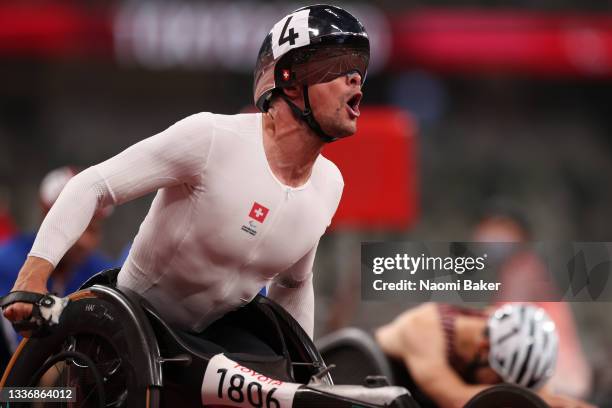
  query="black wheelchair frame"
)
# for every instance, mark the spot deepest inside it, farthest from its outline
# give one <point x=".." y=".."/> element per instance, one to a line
<point x="119" y="351"/>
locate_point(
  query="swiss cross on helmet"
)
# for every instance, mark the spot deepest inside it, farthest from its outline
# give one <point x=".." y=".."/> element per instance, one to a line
<point x="312" y="45"/>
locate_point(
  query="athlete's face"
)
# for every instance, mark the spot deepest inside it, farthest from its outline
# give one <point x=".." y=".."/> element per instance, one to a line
<point x="486" y="375"/>
<point x="335" y="104"/>
<point x="479" y="370"/>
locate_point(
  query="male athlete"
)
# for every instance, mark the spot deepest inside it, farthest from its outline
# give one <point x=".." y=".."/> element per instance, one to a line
<point x="446" y="354"/>
<point x="242" y="200"/>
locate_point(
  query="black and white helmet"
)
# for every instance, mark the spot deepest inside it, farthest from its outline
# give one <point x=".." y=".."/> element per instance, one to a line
<point x="311" y="45"/>
<point x="523" y="344"/>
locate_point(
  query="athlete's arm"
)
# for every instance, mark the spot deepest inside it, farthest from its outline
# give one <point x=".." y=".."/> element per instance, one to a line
<point x="417" y="338"/>
<point x="175" y="156"/>
<point x="293" y="290"/>
<point x="439" y="381"/>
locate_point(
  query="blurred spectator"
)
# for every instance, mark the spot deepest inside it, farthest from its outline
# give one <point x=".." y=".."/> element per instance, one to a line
<point x="7" y="227"/>
<point x="80" y="262"/>
<point x="524" y="277"/>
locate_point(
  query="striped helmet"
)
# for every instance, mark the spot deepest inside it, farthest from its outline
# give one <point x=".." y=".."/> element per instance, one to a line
<point x="524" y="344"/>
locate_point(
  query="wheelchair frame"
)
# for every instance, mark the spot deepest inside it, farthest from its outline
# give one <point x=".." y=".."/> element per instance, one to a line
<point x="119" y="314"/>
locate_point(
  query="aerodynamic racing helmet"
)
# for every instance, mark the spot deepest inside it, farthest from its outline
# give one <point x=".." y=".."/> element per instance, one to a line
<point x="523" y="345"/>
<point x="311" y="45"/>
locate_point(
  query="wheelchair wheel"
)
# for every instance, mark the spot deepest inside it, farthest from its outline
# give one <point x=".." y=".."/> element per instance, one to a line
<point x="97" y="348"/>
<point x="74" y="370"/>
<point x="506" y="396"/>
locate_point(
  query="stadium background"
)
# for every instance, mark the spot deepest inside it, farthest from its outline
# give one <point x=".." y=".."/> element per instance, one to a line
<point x="500" y="99"/>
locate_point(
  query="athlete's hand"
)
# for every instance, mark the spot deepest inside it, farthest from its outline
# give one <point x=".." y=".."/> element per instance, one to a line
<point x="22" y="311"/>
<point x="32" y="277"/>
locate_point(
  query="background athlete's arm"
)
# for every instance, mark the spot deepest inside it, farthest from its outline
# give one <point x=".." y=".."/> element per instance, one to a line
<point x="420" y="341"/>
<point x="439" y="381"/>
<point x="174" y="156"/>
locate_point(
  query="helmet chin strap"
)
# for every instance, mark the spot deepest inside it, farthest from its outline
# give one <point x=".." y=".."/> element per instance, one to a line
<point x="307" y="116"/>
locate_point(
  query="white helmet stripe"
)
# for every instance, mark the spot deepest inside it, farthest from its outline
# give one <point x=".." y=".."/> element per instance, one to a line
<point x="541" y="367"/>
<point x="549" y="355"/>
<point x="521" y="354"/>
<point x="504" y="337"/>
<point x="534" y="355"/>
<point x="523" y="344"/>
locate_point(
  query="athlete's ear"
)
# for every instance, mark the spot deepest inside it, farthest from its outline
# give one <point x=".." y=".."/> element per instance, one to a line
<point x="293" y="92"/>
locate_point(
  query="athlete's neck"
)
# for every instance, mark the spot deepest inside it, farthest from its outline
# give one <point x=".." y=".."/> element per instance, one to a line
<point x="291" y="147"/>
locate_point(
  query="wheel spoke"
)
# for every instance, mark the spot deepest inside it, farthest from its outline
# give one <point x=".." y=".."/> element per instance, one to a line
<point x="78" y="372"/>
<point x="59" y="372"/>
<point x="88" y="395"/>
<point x="90" y="345"/>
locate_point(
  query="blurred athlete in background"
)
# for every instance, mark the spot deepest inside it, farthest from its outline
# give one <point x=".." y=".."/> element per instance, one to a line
<point x="524" y="277"/>
<point x="241" y="200"/>
<point x="446" y="354"/>
<point x="78" y="264"/>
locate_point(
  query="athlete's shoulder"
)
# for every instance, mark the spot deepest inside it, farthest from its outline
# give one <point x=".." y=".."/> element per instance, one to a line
<point x="329" y="170"/>
<point x="238" y="123"/>
<point x="194" y="127"/>
<point x="199" y="118"/>
<point x="222" y="120"/>
<point x="328" y="180"/>
<point x="211" y="125"/>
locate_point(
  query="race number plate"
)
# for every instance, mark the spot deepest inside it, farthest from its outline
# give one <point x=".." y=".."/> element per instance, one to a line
<point x="228" y="383"/>
<point x="291" y="32"/>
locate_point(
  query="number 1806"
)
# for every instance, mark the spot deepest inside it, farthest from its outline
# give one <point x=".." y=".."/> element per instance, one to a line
<point x="253" y="391"/>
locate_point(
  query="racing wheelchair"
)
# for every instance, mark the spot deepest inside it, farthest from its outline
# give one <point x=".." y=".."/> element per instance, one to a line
<point x="115" y="350"/>
<point x="352" y="344"/>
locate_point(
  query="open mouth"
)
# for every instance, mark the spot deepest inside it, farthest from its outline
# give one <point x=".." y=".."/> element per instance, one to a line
<point x="353" y="105"/>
